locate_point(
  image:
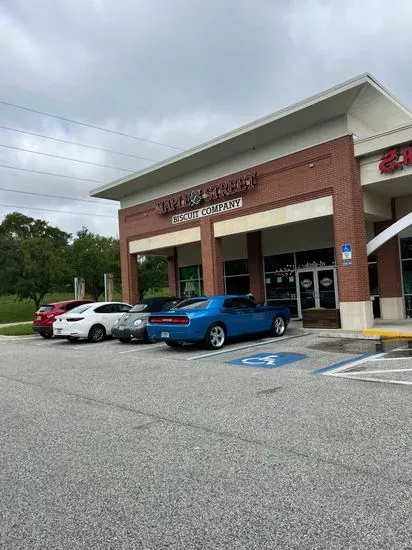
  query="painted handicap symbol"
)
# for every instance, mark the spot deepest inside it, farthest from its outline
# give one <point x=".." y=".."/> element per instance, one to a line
<point x="268" y="360"/>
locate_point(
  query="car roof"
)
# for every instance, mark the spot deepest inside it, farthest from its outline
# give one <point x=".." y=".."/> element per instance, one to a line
<point x="110" y="303"/>
<point x="63" y="302"/>
<point x="157" y="299"/>
<point x="219" y="297"/>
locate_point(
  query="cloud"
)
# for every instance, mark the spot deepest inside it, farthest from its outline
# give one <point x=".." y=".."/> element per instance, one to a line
<point x="177" y="72"/>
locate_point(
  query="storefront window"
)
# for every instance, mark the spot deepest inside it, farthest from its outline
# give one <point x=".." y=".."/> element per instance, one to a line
<point x="280" y="279"/>
<point x="315" y="258"/>
<point x="191" y="281"/>
<point x="373" y="286"/>
<point x="237" y="277"/>
<point x="406" y="259"/>
<point x="406" y="248"/>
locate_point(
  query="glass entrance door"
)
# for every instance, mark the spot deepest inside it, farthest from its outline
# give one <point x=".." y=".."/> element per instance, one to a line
<point x="317" y="288"/>
<point x="307" y="290"/>
<point x="326" y="288"/>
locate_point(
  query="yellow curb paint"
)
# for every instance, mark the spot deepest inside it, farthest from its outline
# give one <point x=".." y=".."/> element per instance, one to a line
<point x="387" y="333"/>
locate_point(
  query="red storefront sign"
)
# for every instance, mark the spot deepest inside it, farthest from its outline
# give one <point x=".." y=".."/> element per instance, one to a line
<point x="209" y="194"/>
<point x="395" y="159"/>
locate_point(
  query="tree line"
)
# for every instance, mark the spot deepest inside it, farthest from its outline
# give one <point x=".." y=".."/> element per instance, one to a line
<point x="37" y="258"/>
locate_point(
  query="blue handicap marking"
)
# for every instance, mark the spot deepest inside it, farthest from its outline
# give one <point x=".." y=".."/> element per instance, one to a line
<point x="268" y="360"/>
<point x="346" y="248"/>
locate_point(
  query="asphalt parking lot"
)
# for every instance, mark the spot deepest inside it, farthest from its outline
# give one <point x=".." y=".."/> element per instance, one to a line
<point x="300" y="443"/>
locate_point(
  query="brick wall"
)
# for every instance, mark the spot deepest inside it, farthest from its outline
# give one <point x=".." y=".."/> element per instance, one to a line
<point x="388" y="265"/>
<point x="255" y="260"/>
<point x="211" y="259"/>
<point x="327" y="169"/>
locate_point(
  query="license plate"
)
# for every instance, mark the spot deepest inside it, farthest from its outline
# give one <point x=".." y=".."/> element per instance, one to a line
<point x="121" y="327"/>
<point x="164" y="335"/>
<point x="38" y="318"/>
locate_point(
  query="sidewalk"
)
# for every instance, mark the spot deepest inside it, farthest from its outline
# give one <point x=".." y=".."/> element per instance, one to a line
<point x="381" y="329"/>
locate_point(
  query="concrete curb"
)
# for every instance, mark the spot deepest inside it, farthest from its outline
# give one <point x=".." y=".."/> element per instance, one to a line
<point x="5" y="325"/>
<point x="387" y="333"/>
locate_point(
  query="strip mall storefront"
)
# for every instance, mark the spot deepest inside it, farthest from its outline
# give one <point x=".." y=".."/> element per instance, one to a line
<point x="285" y="208"/>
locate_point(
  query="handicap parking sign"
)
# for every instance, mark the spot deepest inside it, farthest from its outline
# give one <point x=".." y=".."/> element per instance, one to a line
<point x="268" y="360"/>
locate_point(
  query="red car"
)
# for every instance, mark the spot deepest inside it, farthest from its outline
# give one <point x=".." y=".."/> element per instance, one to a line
<point x="46" y="315"/>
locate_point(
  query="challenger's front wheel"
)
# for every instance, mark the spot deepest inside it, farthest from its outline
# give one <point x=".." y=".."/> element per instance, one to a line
<point x="215" y="337"/>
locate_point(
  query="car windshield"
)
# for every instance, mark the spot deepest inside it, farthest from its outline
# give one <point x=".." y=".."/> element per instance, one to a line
<point x="43" y="309"/>
<point x="200" y="303"/>
<point x="138" y="308"/>
<point x="81" y="309"/>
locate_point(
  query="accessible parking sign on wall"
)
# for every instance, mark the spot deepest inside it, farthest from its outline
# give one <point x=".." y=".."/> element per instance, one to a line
<point x="268" y="360"/>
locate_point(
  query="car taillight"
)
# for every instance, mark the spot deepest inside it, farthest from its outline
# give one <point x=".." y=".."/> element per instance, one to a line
<point x="73" y="319"/>
<point x="169" y="320"/>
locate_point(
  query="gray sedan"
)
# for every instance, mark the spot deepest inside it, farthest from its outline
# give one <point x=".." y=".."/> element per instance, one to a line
<point x="132" y="325"/>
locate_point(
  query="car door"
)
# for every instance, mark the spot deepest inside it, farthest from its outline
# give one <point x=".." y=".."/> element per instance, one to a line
<point x="104" y="315"/>
<point x="233" y="317"/>
<point x="250" y="319"/>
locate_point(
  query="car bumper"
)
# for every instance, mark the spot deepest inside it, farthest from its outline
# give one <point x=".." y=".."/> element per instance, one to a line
<point x="126" y="332"/>
<point x="67" y="331"/>
<point x="38" y="329"/>
<point x="174" y="334"/>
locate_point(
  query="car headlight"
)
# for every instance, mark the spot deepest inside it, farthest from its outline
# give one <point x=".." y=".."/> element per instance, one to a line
<point x="138" y="322"/>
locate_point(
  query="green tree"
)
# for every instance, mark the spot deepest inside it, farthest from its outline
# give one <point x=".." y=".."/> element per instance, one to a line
<point x="153" y="274"/>
<point x="91" y="257"/>
<point x="17" y="226"/>
<point x="33" y="258"/>
<point x="44" y="268"/>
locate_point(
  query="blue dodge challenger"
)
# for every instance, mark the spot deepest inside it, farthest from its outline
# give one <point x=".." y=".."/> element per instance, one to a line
<point x="212" y="320"/>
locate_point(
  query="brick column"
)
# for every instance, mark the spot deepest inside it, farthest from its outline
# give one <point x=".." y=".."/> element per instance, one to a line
<point x="349" y="226"/>
<point x="211" y="259"/>
<point x="172" y="273"/>
<point x="130" y="287"/>
<point x="255" y="260"/>
<point x="389" y="276"/>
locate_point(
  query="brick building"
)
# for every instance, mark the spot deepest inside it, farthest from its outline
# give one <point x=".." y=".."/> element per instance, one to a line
<point x="287" y="207"/>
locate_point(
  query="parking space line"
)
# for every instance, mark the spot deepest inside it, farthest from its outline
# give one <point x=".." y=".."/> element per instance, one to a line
<point x="393" y="358"/>
<point x="351" y="376"/>
<point x="140" y="348"/>
<point x="381" y="371"/>
<point x="247" y="346"/>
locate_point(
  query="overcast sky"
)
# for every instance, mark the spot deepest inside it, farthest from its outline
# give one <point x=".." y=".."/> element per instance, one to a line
<point x="177" y="72"/>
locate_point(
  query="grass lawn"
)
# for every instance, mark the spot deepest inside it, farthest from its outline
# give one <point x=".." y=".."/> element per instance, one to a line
<point x="13" y="310"/>
<point x="17" y="330"/>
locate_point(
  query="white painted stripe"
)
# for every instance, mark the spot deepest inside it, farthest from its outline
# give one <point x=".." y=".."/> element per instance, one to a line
<point x="142" y="347"/>
<point x="382" y="380"/>
<point x="393" y="358"/>
<point x="247" y="346"/>
<point x="86" y="345"/>
<point x="351" y="365"/>
<point x="383" y="371"/>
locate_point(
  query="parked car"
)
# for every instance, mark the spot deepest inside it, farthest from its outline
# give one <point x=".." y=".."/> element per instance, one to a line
<point x="91" y="321"/>
<point x="45" y="316"/>
<point x="132" y="325"/>
<point x="212" y="320"/>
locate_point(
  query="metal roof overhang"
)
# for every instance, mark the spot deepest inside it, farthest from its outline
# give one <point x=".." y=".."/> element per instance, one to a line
<point x="305" y="114"/>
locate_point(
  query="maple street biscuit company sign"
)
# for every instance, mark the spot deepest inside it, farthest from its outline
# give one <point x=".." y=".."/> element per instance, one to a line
<point x="209" y="194"/>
